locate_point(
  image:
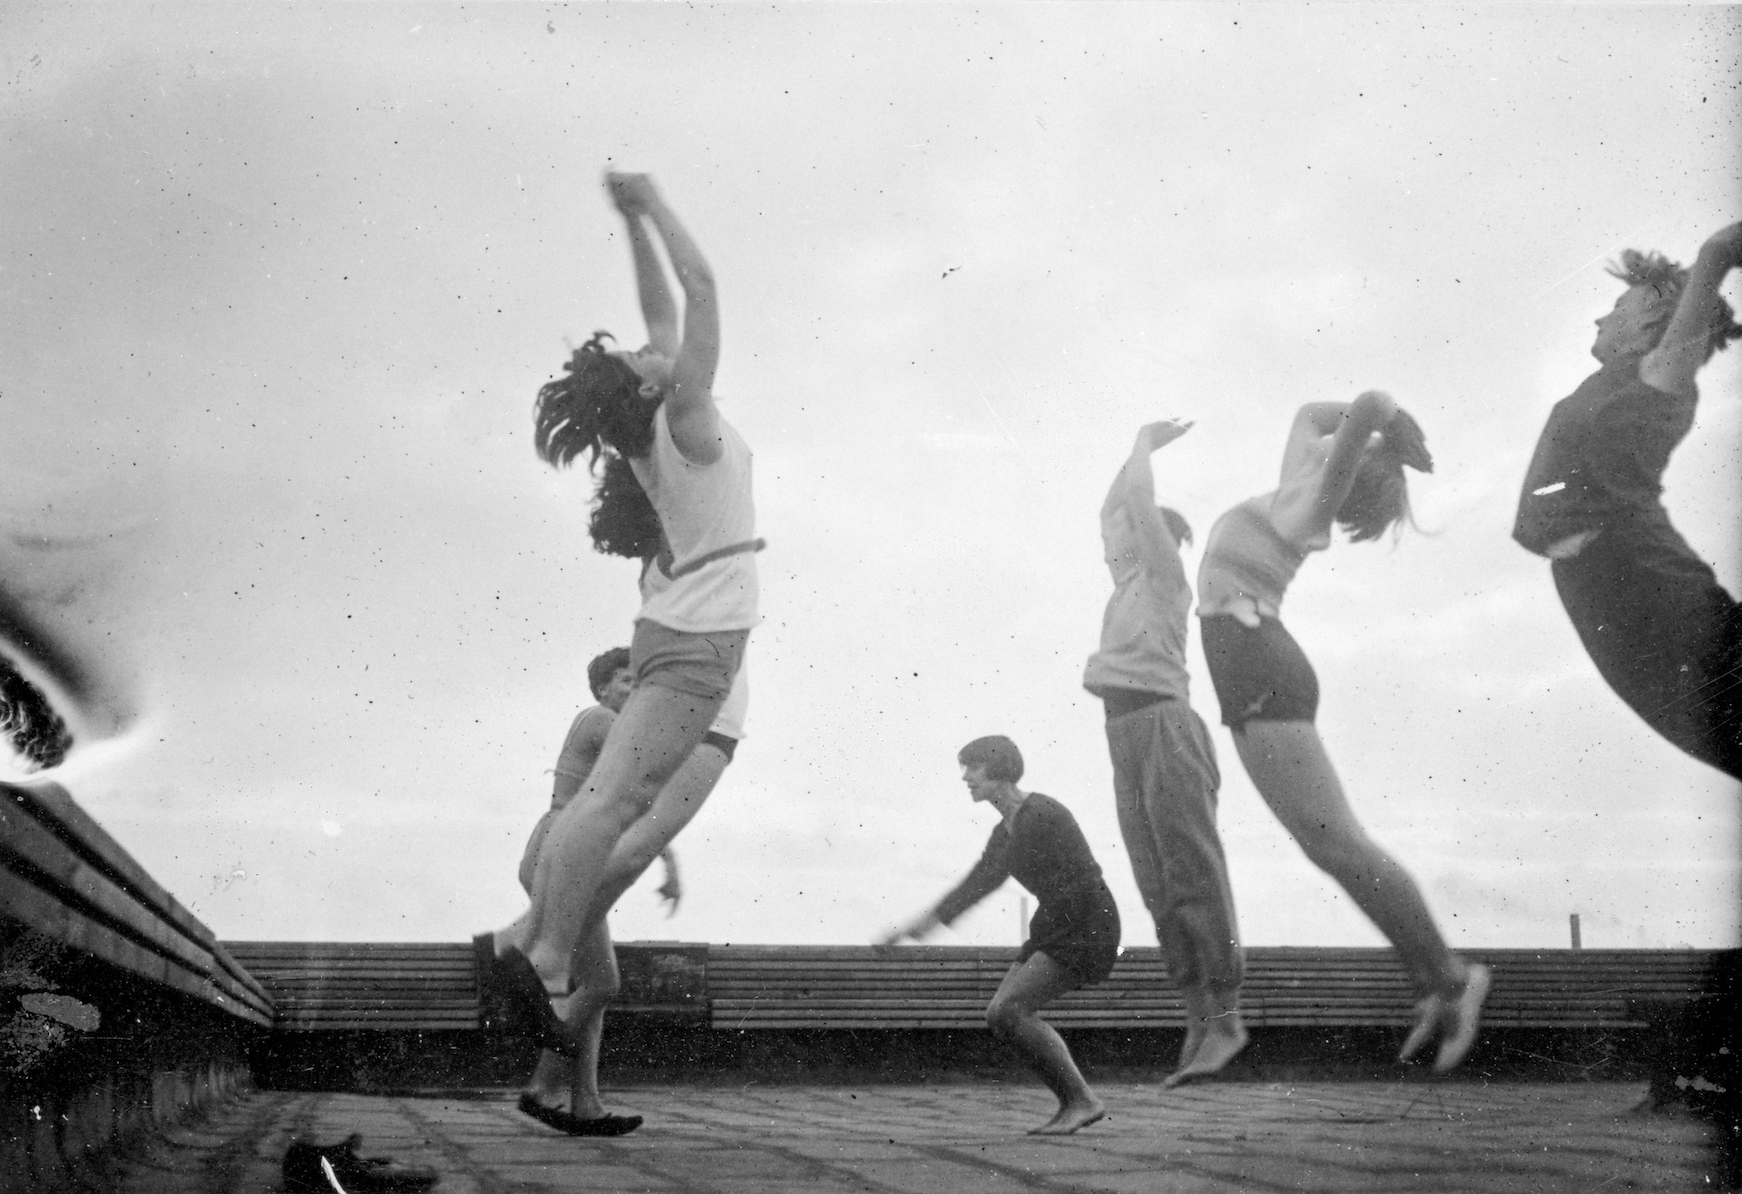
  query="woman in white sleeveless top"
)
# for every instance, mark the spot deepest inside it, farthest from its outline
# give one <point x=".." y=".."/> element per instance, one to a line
<point x="675" y="492"/>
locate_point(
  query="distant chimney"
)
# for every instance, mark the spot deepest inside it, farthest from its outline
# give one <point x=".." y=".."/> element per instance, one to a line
<point x="1573" y="921"/>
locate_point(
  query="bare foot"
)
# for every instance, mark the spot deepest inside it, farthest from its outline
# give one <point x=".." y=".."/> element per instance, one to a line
<point x="1069" y="1119"/>
<point x="1220" y="1044"/>
<point x="1194" y="1039"/>
<point x="1463" y="1018"/>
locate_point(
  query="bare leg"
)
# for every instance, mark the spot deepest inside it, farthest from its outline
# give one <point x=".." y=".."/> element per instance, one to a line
<point x="552" y="1076"/>
<point x="1288" y="765"/>
<point x="594" y="962"/>
<point x="653" y="735"/>
<point x="675" y="807"/>
<point x="1216" y="1033"/>
<point x="596" y="982"/>
<point x="1013" y="1016"/>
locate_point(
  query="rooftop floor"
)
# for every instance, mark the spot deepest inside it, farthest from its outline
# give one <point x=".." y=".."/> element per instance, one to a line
<point x="967" y="1137"/>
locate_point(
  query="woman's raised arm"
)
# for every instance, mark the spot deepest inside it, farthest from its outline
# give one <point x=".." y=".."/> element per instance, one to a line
<point x="1671" y="366"/>
<point x="689" y="397"/>
<point x="1360" y="419"/>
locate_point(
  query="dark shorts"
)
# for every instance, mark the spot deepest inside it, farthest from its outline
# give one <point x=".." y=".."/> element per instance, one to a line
<point x="698" y="665"/>
<point x="1259" y="675"/>
<point x="1082" y="935"/>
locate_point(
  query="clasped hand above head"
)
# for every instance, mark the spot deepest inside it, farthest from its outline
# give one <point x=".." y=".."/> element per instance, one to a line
<point x="632" y="194"/>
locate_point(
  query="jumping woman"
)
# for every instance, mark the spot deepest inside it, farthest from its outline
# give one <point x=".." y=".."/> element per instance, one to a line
<point x="675" y="492"/>
<point x="1660" y="628"/>
<point x="1344" y="464"/>
<point x="1073" y="939"/>
<point x="563" y="1093"/>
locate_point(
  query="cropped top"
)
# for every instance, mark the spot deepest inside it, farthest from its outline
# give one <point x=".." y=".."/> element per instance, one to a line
<point x="1247" y="564"/>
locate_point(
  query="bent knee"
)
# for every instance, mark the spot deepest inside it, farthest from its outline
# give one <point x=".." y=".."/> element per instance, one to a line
<point x="1002" y="1017"/>
<point x="594" y="994"/>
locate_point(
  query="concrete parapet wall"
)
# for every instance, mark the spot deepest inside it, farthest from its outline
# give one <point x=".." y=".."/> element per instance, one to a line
<point x="116" y="1058"/>
<point x="119" y="1011"/>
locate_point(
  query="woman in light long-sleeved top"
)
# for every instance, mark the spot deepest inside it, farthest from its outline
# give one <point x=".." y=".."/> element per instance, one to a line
<point x="1343" y="465"/>
<point x="1164" y="767"/>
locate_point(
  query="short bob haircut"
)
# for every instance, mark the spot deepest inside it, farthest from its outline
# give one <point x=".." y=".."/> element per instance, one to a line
<point x="603" y="667"/>
<point x="997" y="754"/>
<point x="1667" y="279"/>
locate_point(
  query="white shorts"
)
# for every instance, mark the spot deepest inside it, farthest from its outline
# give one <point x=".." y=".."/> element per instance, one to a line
<point x="730" y="719"/>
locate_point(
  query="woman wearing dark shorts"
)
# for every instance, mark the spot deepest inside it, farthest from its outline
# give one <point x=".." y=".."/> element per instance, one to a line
<point x="1344" y="464"/>
<point x="1073" y="939"/>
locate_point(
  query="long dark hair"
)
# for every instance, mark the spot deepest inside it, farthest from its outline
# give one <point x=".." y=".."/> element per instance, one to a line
<point x="597" y="407"/>
<point x="624" y="522"/>
<point x="596" y="404"/>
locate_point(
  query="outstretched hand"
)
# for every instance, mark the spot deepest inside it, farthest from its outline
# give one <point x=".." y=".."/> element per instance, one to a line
<point x="670" y="893"/>
<point x="1404" y="439"/>
<point x="1154" y="435"/>
<point x="631" y="193"/>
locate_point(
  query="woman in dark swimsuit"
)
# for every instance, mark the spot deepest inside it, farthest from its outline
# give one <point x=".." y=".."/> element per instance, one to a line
<point x="1073" y="939"/>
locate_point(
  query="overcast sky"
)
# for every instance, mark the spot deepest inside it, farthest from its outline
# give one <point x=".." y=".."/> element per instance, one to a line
<point x="281" y="282"/>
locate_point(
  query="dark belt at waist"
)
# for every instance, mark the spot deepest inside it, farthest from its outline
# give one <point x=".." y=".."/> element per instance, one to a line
<point x="1120" y="701"/>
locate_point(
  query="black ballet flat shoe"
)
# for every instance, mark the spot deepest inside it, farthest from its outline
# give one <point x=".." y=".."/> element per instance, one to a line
<point x="355" y="1175"/>
<point x="574" y="1125"/>
<point x="523" y="991"/>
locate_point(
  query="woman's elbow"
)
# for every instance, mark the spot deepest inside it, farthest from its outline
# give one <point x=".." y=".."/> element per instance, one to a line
<point x="1322" y="417"/>
<point x="698" y="282"/>
<point x="1374" y="407"/>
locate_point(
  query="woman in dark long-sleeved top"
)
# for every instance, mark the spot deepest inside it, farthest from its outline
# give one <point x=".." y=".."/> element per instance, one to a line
<point x="1660" y="628"/>
<point x="1073" y="939"/>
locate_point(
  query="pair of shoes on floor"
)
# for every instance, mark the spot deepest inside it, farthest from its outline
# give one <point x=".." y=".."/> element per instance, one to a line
<point x="1454" y="1018"/>
<point x="303" y="1173"/>
<point x="574" y="1125"/>
<point x="510" y="980"/>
